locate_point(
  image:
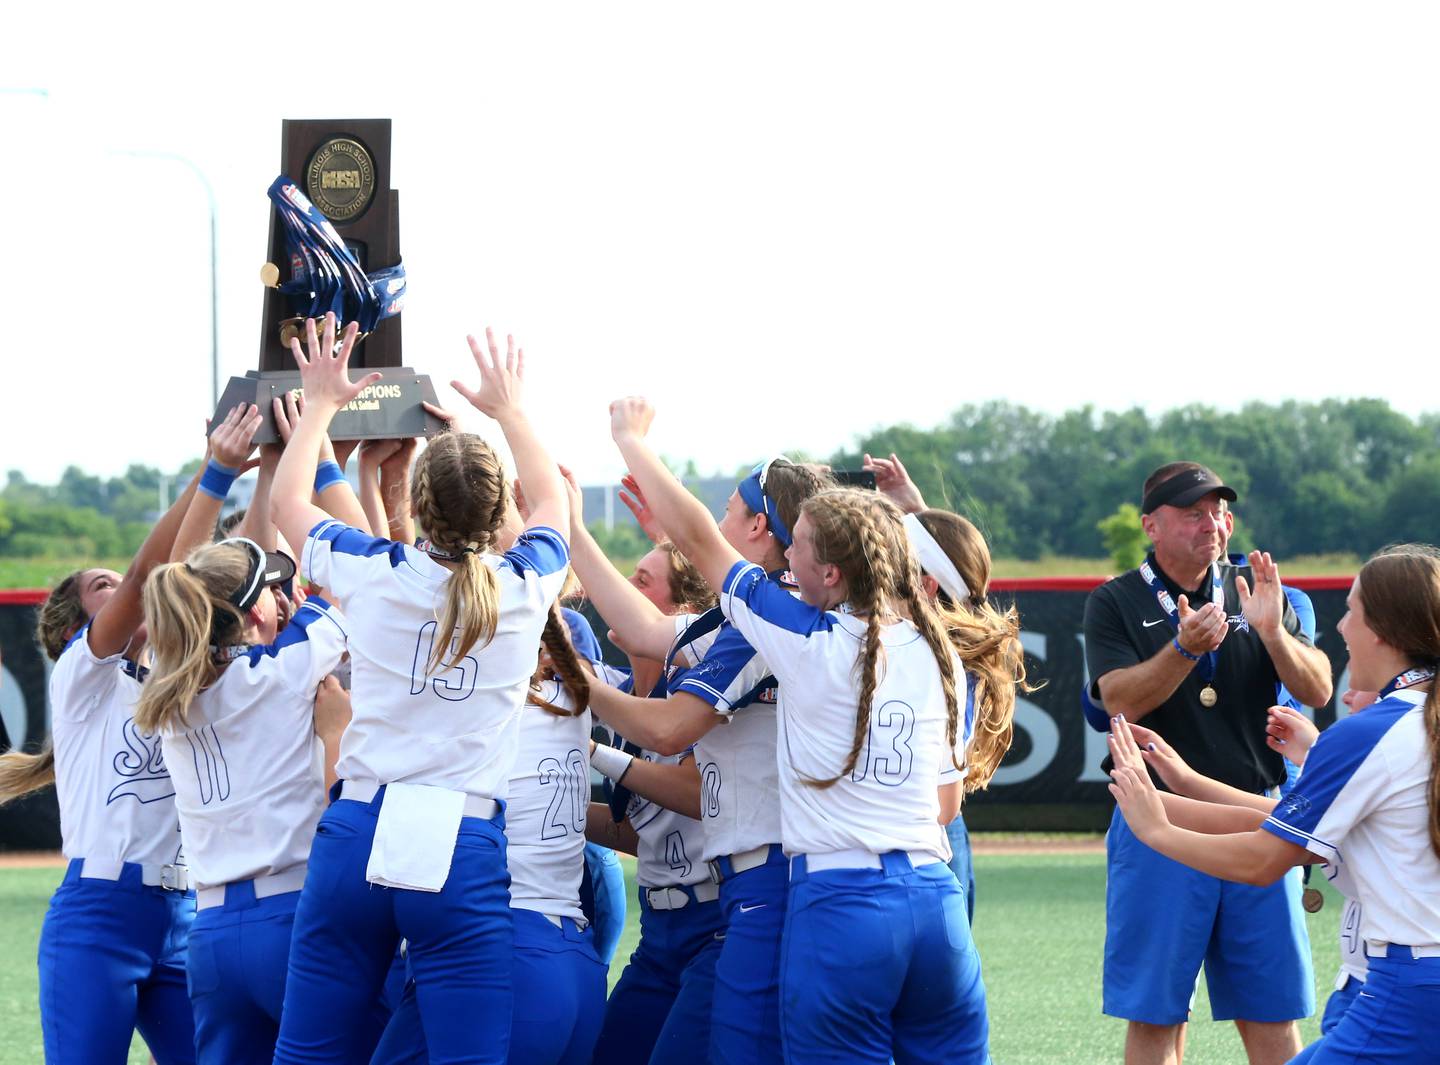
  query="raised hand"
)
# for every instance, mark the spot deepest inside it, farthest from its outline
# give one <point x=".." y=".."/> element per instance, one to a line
<point x="231" y="444"/>
<point x="893" y="480"/>
<point x="630" y="416"/>
<point x="576" y="497"/>
<point x="1289" y="732"/>
<point x="634" y="500"/>
<point x="1161" y="757"/>
<point x="287" y="410"/>
<point x="324" y="368"/>
<point x="1264" y="608"/>
<point x="452" y="421"/>
<point x="375" y="452"/>
<point x="502" y="380"/>
<point x="1201" y="630"/>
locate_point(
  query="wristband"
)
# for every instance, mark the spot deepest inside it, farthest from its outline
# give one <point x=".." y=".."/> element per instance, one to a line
<point x="611" y="761"/>
<point x="215" y="482"/>
<point x="327" y="474"/>
<point x="1183" y="652"/>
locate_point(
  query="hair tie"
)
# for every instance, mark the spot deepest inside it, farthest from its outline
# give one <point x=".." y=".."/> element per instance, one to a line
<point x="933" y="559"/>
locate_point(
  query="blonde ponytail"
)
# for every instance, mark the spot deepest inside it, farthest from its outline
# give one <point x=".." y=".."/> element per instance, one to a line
<point x="460" y="496"/>
<point x="21" y="773"/>
<point x="472" y="606"/>
<point x="186" y="613"/>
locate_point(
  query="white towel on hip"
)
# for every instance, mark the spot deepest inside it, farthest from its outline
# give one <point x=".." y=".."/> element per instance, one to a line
<point x="415" y="837"/>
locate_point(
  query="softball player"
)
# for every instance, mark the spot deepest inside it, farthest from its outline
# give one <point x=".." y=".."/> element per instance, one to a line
<point x="558" y="980"/>
<point x="726" y="684"/>
<point x="234" y="707"/>
<point x="442" y="646"/>
<point x="877" y="958"/>
<point x="1365" y="801"/>
<point x="113" y="941"/>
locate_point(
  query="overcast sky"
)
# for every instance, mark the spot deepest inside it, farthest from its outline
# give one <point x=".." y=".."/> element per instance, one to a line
<point x="784" y="223"/>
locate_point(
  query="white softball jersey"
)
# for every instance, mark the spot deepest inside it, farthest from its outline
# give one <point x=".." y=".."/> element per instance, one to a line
<point x="1360" y="805"/>
<point x="739" y="778"/>
<point x="671" y="846"/>
<point x="889" y="801"/>
<point x="455" y="729"/>
<point x="248" y="769"/>
<point x="545" y="814"/>
<point x="117" y="801"/>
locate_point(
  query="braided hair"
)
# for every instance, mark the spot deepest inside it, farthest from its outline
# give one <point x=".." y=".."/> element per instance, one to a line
<point x="564" y="664"/>
<point x="459" y="494"/>
<point x="860" y="533"/>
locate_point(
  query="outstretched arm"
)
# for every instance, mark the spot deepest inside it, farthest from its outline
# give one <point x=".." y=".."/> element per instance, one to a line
<point x="324" y="374"/>
<point x="640" y="627"/>
<point x="665" y="726"/>
<point x="332" y="492"/>
<point x="602" y="828"/>
<point x="1247" y="857"/>
<point x="501" y="396"/>
<point x="675" y="787"/>
<point x="680" y="514"/>
<point x="230" y="447"/>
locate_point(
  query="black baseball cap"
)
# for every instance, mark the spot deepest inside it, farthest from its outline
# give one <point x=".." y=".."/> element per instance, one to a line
<point x="266" y="568"/>
<point x="1189" y="481"/>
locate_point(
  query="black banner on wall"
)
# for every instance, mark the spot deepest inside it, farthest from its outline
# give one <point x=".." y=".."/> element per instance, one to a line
<point x="1050" y="780"/>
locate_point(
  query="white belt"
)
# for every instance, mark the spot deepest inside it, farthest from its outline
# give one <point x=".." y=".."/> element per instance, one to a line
<point x="858" y="859"/>
<point x="364" y="791"/>
<point x="742" y="862"/>
<point x="1377" y="949"/>
<point x="169" y="877"/>
<point x="292" y="879"/>
<point x="675" y="898"/>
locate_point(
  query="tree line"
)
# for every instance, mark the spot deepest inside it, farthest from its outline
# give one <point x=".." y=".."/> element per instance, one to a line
<point x="1332" y="476"/>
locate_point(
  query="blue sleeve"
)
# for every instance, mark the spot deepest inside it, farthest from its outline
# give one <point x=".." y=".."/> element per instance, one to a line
<point x="728" y="675"/>
<point x="1304" y="610"/>
<point x="339" y="557"/>
<point x="540" y="550"/>
<point x="1342" y="775"/>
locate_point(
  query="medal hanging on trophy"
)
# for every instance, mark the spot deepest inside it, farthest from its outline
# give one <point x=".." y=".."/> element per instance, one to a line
<point x="1209" y="696"/>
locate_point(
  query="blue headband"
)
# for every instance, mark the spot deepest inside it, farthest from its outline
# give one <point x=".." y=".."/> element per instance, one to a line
<point x="752" y="490"/>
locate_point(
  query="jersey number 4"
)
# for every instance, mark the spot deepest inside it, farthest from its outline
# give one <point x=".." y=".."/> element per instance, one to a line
<point x="454" y="684"/>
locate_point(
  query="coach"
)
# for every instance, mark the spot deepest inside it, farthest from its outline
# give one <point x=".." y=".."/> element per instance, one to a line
<point x="1184" y="644"/>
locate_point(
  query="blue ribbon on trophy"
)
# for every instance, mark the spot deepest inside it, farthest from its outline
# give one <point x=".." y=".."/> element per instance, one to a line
<point x="325" y="274"/>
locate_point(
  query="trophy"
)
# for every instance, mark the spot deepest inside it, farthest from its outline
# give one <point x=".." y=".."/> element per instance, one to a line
<point x="335" y="246"/>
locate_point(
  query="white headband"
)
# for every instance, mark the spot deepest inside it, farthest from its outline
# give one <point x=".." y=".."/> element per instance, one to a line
<point x="934" y="560"/>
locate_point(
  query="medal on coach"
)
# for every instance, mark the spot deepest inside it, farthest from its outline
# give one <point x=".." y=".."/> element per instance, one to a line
<point x="1204" y="663"/>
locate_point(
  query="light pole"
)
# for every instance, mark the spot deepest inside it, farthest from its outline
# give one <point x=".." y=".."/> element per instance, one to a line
<point x="175" y="157"/>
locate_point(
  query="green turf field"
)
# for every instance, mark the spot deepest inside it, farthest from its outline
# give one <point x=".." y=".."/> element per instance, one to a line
<point x="1039" y="923"/>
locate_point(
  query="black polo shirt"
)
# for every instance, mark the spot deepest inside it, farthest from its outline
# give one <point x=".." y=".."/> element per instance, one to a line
<point x="1125" y="625"/>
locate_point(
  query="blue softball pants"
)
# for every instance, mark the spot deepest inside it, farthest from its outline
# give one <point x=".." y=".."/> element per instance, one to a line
<point x="659" y="1010"/>
<point x="112" y="959"/>
<point x="461" y="944"/>
<point x="878" y="965"/>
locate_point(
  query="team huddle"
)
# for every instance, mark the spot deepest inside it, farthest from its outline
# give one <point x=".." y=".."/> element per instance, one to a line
<point x="340" y="810"/>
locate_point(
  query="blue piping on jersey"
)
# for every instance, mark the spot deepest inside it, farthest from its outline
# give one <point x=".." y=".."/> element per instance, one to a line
<point x="296" y="632"/>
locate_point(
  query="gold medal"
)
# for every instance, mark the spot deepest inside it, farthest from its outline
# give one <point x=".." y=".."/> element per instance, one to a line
<point x="270" y="275"/>
<point x="1209" y="696"/>
<point x="1312" y="900"/>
